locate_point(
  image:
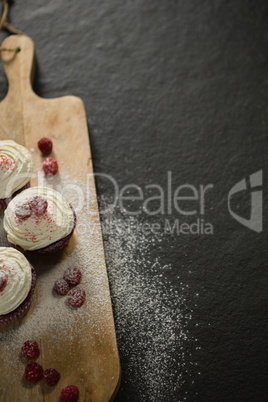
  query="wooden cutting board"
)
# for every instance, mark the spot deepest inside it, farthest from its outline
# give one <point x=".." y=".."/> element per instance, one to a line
<point x="80" y="344"/>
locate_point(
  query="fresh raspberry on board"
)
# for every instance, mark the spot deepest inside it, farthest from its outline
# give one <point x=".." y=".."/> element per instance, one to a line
<point x="61" y="287"/>
<point x="30" y="350"/>
<point x="33" y="372"/>
<point x="72" y="275"/>
<point x="38" y="204"/>
<point x="69" y="394"/>
<point x="50" y="166"/>
<point x="51" y="377"/>
<point x="45" y="145"/>
<point x="23" y="210"/>
<point x="76" y="297"/>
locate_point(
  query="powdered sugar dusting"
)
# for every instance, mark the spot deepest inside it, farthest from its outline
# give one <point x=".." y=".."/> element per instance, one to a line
<point x="151" y="312"/>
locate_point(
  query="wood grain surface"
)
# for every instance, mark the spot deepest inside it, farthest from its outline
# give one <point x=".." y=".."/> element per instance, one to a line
<point x="86" y="353"/>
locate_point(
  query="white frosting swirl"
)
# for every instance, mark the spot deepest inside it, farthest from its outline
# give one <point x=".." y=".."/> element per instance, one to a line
<point x="17" y="270"/>
<point x="16" y="167"/>
<point x="37" y="232"/>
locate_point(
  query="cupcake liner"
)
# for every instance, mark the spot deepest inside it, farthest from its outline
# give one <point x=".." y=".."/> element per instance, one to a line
<point x="23" y="308"/>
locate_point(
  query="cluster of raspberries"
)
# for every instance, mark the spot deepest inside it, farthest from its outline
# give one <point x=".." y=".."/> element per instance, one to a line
<point x="76" y="296"/>
<point x="50" y="165"/>
<point x="34" y="373"/>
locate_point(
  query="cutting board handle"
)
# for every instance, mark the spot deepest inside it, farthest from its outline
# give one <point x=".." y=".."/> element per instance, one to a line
<point x="19" y="64"/>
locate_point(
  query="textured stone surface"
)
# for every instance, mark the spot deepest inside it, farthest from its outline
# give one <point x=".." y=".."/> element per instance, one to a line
<point x="176" y="86"/>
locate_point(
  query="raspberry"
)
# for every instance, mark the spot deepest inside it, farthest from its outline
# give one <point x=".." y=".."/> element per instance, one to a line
<point x="23" y="210"/>
<point x="33" y="372"/>
<point x="72" y="275"/>
<point x="38" y="204"/>
<point x="50" y="166"/>
<point x="76" y="297"/>
<point x="69" y="394"/>
<point x="30" y="350"/>
<point x="61" y="287"/>
<point x="45" y="145"/>
<point x="51" y="377"/>
<point x="3" y="280"/>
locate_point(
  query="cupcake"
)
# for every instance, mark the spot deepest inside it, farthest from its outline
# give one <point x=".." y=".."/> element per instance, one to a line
<point x="16" y="168"/>
<point x="17" y="284"/>
<point x="39" y="220"/>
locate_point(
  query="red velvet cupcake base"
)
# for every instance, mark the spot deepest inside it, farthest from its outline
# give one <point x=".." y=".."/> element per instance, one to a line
<point x="5" y="201"/>
<point x="23" y="308"/>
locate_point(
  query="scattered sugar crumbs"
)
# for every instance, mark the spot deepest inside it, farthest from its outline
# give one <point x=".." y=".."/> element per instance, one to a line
<point x="150" y="311"/>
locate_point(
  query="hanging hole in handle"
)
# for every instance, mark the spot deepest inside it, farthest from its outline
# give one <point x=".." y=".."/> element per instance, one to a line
<point x="4" y="49"/>
<point x="9" y="54"/>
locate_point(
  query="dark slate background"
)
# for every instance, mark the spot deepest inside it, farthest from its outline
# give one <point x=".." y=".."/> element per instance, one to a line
<point x="176" y="86"/>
